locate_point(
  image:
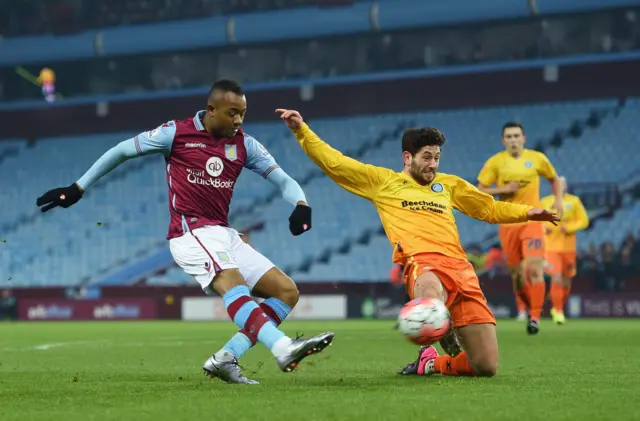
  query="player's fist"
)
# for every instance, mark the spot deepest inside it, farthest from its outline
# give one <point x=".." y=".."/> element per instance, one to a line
<point x="62" y="196"/>
<point x="292" y="118"/>
<point x="300" y="219"/>
<point x="537" y="214"/>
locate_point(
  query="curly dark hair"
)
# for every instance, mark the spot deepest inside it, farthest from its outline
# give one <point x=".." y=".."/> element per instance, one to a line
<point x="415" y="139"/>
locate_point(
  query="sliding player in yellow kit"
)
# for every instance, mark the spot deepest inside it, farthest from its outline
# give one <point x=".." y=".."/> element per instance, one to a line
<point x="416" y="209"/>
<point x="516" y="172"/>
<point x="561" y="248"/>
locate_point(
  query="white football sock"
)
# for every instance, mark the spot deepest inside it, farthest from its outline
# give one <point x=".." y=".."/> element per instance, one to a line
<point x="281" y="346"/>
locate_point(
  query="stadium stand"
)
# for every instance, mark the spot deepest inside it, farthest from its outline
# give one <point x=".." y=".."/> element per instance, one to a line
<point x="352" y="238"/>
<point x="62" y="16"/>
<point x="614" y="229"/>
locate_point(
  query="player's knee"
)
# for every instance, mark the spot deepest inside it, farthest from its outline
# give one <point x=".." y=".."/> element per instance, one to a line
<point x="428" y="285"/>
<point x="535" y="269"/>
<point x="289" y="294"/>
<point x="227" y="279"/>
<point x="485" y="366"/>
<point x="285" y="290"/>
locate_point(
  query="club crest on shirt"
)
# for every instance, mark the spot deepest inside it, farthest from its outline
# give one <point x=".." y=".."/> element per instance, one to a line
<point x="231" y="152"/>
<point x="528" y="164"/>
<point x="224" y="257"/>
<point x="437" y="188"/>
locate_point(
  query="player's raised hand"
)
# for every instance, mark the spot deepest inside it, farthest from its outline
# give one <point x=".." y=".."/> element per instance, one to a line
<point x="537" y="214"/>
<point x="62" y="196"/>
<point x="292" y="118"/>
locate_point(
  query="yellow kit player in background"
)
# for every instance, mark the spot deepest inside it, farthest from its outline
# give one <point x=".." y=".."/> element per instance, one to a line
<point x="416" y="209"/>
<point x="561" y="248"/>
<point x="516" y="172"/>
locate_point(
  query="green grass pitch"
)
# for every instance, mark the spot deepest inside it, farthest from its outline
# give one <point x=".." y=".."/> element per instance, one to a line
<point x="586" y="370"/>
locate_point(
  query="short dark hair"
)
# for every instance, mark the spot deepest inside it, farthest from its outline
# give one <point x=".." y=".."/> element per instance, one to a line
<point x="415" y="139"/>
<point x="226" y="85"/>
<point x="512" y="125"/>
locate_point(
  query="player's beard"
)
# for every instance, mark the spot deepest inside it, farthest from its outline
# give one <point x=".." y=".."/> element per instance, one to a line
<point x="422" y="176"/>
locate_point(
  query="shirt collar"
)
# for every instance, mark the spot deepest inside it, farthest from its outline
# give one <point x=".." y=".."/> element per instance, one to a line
<point x="197" y="120"/>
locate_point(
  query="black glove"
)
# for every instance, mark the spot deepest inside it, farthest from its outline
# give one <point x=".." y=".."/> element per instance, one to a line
<point x="62" y="196"/>
<point x="300" y="219"/>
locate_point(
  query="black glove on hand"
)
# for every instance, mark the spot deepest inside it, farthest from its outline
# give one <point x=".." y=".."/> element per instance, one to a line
<point x="300" y="220"/>
<point x="62" y="196"/>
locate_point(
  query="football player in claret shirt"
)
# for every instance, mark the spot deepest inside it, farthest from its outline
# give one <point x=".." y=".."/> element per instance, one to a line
<point x="204" y="156"/>
<point x="561" y="248"/>
<point x="516" y="173"/>
<point x="416" y="209"/>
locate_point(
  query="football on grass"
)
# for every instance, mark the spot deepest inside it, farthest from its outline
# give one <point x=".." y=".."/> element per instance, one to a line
<point x="424" y="321"/>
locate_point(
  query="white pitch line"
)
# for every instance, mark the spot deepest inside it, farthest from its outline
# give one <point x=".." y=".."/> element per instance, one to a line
<point x="45" y="347"/>
<point x="158" y="343"/>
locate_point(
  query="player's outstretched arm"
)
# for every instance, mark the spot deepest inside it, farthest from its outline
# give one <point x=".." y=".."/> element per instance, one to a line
<point x="260" y="161"/>
<point x="479" y="205"/>
<point x="155" y="141"/>
<point x="354" y="176"/>
<point x="300" y="218"/>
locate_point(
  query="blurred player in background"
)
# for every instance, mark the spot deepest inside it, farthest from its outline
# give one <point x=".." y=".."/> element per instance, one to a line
<point x="396" y="277"/>
<point x="396" y="274"/>
<point x="516" y="173"/>
<point x="561" y="248"/>
<point x="416" y="209"/>
<point x="204" y="156"/>
<point x="47" y="79"/>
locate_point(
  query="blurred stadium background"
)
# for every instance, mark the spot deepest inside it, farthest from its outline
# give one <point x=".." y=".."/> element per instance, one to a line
<point x="361" y="72"/>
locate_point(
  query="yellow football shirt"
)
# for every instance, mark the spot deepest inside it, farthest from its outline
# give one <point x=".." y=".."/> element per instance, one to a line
<point x="502" y="169"/>
<point x="574" y="219"/>
<point x="417" y="219"/>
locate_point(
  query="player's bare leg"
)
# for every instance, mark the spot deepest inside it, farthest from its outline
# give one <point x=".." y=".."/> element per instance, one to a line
<point x="481" y="346"/>
<point x="249" y="316"/>
<point x="534" y="271"/>
<point x="478" y="341"/>
<point x="276" y="284"/>
<point x="428" y="285"/>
